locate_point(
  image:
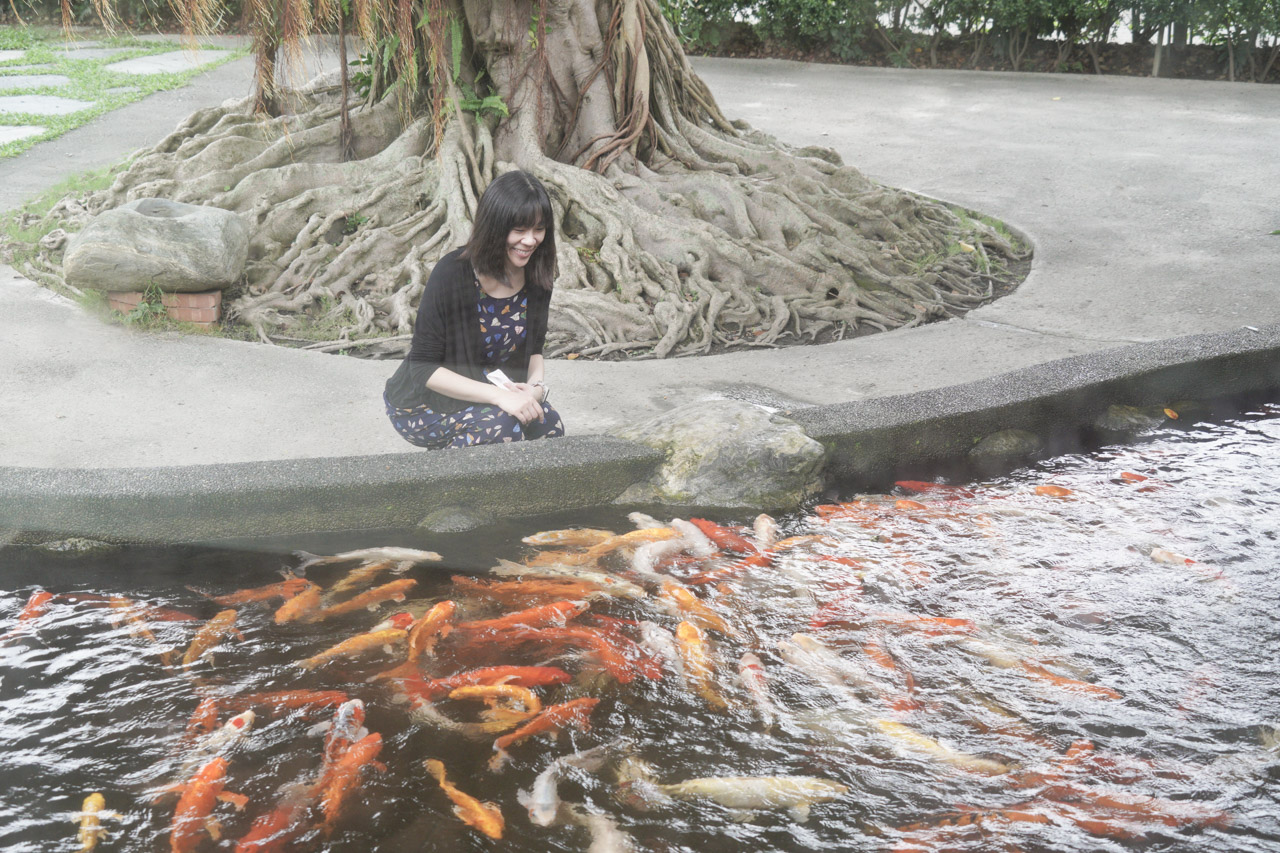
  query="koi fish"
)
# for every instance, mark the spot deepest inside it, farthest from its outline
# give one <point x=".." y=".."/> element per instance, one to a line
<point x="929" y="625"/>
<point x="575" y="712"/>
<point x="921" y="487"/>
<point x="905" y="737"/>
<point x="285" y="589"/>
<point x="905" y="504"/>
<point x="277" y="831"/>
<point x="369" y="555"/>
<point x="524" y="676"/>
<point x="530" y="591"/>
<point x="35" y="607"/>
<point x="555" y="614"/>
<point x="216" y="743"/>
<point x="698" y="668"/>
<point x="751" y="673"/>
<point x="364" y="574"/>
<point x="631" y="540"/>
<point x="370" y="599"/>
<point x="360" y="644"/>
<point x="505" y="695"/>
<point x="608" y="584"/>
<point x="543" y="799"/>
<point x="301" y="606"/>
<point x="342" y="781"/>
<point x="1053" y="491"/>
<point x="765" y="529"/>
<point x="209" y="636"/>
<point x="346" y="729"/>
<point x="426" y="713"/>
<point x="606" y="837"/>
<point x="286" y="700"/>
<point x="91" y="815"/>
<point x="749" y="793"/>
<point x="194" y="812"/>
<point x="1005" y="660"/>
<point x="434" y="625"/>
<point x="484" y="816"/>
<point x="578" y="537"/>
<point x="132" y="615"/>
<point x="686" y="605"/>
<point x="693" y="540"/>
<point x="660" y="643"/>
<point x="203" y="720"/>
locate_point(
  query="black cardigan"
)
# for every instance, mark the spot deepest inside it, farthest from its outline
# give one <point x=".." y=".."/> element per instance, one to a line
<point x="447" y="334"/>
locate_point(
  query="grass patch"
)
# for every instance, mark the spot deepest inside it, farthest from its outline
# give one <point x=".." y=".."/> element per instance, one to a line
<point x="88" y="79"/>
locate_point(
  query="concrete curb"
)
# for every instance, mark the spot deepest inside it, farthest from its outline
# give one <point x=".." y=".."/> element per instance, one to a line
<point x="866" y="440"/>
<point x="876" y="440"/>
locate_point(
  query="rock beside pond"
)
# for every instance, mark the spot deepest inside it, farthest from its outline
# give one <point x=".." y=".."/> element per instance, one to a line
<point x="76" y="546"/>
<point x="179" y="248"/>
<point x="1137" y="419"/>
<point x="1008" y="444"/>
<point x="454" y="519"/>
<point x="728" y="453"/>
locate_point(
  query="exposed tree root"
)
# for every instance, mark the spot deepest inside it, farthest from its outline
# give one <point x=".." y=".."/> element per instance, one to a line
<point x="699" y="235"/>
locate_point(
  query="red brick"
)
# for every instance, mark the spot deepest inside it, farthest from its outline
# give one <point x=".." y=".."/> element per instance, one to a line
<point x="123" y="301"/>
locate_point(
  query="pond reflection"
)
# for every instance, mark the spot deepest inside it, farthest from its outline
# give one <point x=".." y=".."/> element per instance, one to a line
<point x="1079" y="656"/>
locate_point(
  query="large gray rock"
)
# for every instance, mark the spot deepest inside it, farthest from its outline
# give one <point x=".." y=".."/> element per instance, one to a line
<point x="179" y="248"/>
<point x="727" y="453"/>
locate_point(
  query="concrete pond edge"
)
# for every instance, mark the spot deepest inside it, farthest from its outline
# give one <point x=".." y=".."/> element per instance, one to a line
<point x="865" y="440"/>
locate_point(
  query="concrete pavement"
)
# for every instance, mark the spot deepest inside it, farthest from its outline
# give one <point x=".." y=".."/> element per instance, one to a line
<point x="1150" y="204"/>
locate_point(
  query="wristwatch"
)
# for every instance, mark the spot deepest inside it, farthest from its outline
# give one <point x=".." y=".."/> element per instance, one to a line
<point x="545" y="390"/>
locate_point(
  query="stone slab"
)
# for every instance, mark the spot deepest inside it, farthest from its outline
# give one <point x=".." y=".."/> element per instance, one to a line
<point x="10" y="55"/>
<point x="32" y="81"/>
<point x="42" y="105"/>
<point x="166" y="63"/>
<point x="22" y="131"/>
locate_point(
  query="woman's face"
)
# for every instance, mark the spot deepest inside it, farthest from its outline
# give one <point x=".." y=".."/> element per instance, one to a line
<point x="521" y="244"/>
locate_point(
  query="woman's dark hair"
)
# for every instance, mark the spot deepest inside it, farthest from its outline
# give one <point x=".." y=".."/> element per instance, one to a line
<point x="513" y="200"/>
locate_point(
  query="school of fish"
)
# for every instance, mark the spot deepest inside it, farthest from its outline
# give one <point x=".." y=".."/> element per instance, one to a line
<point x="544" y="649"/>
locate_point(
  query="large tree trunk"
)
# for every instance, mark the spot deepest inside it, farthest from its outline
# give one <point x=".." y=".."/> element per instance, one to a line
<point x="680" y="232"/>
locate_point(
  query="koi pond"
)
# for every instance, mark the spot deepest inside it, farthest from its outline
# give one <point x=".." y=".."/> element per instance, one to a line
<point x="1079" y="656"/>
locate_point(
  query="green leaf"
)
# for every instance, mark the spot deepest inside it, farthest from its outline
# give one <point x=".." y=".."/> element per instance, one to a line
<point x="1276" y="233"/>
<point x="455" y="28"/>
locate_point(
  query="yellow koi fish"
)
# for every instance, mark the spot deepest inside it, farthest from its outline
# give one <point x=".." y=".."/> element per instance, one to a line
<point x="913" y="741"/>
<point x="360" y="644"/>
<point x="698" y="668"/>
<point x="486" y="817"/>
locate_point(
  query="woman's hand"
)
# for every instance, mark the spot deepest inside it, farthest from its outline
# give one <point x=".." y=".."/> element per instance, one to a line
<point x="521" y="402"/>
<point x="539" y="392"/>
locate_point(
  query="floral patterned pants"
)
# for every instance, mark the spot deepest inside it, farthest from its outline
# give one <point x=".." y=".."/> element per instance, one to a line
<point x="470" y="426"/>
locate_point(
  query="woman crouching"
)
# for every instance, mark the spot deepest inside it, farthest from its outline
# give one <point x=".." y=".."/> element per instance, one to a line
<point x="484" y="311"/>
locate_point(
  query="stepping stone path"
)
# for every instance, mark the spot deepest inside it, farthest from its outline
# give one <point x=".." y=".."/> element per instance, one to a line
<point x="44" y="105"/>
<point x="9" y="55"/>
<point x="178" y="60"/>
<point x="32" y="81"/>
<point x="22" y="131"/>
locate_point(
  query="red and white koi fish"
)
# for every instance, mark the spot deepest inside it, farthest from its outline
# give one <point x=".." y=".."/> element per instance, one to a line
<point x="283" y="701"/>
<point x="751" y="673"/>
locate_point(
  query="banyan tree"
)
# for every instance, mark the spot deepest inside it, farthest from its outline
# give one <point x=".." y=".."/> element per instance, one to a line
<point x="681" y="232"/>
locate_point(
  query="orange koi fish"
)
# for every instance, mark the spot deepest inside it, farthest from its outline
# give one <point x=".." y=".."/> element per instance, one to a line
<point x="724" y="538"/>
<point x="697" y="611"/>
<point x="1175" y="813"/>
<point x="364" y="574"/>
<point x="601" y="647"/>
<point x="360" y="644"/>
<point x="575" y="712"/>
<point x="35" y="607"/>
<point x="1130" y="477"/>
<point x="285" y="589"/>
<point x="579" y="537"/>
<point x="695" y="654"/>
<point x="921" y="487"/>
<point x="1053" y="491"/>
<point x="209" y="636"/>
<point x="203" y="720"/>
<point x="194" y="812"/>
<point x="133" y="615"/>
<point x="286" y="700"/>
<point x="278" y="831"/>
<point x="855" y="617"/>
<point x="762" y="558"/>
<point x="1005" y="660"/>
<point x="548" y="615"/>
<point x="524" y="676"/>
<point x="530" y="591"/>
<point x="486" y="817"/>
<point x="631" y="540"/>
<point x="301" y="606"/>
<point x="393" y="591"/>
<point x="434" y="625"/>
<point x="905" y="504"/>
<point x="343" y="779"/>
